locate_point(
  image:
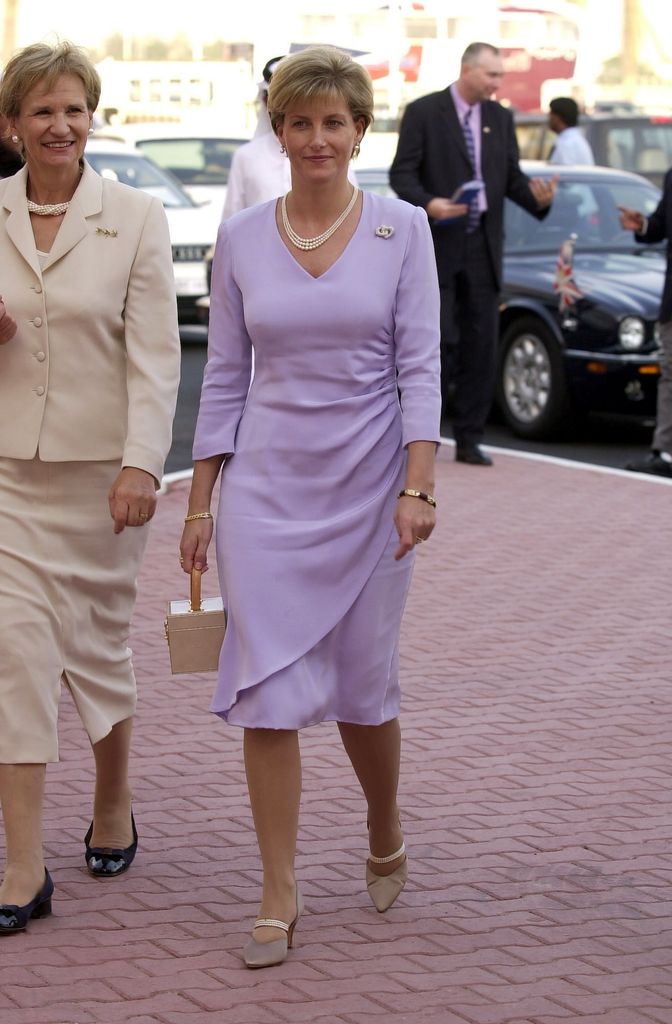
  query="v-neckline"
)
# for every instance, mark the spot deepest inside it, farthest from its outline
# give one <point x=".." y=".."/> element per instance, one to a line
<point x="340" y="256"/>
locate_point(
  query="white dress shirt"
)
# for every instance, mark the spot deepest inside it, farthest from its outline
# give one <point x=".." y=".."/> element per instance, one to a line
<point x="571" y="147"/>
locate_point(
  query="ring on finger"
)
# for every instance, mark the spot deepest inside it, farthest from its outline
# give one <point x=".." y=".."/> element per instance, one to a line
<point x="419" y="540"/>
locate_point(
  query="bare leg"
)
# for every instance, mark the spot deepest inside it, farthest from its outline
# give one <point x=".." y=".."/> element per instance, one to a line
<point x="112" y="801"/>
<point x="21" y="794"/>
<point x="273" y="767"/>
<point x="374" y="751"/>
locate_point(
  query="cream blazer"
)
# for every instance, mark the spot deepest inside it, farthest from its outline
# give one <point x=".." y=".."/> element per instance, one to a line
<point x="93" y="369"/>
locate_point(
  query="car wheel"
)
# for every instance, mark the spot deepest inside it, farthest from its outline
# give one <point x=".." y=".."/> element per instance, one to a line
<point x="531" y="387"/>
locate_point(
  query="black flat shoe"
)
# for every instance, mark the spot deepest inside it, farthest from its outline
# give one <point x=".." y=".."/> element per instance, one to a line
<point x="653" y="463"/>
<point x="15" y="919"/>
<point x="472" y="455"/>
<point x="103" y="862"/>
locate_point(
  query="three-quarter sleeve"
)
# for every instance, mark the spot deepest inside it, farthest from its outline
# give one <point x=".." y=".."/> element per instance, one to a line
<point x="417" y="336"/>
<point x="228" y="371"/>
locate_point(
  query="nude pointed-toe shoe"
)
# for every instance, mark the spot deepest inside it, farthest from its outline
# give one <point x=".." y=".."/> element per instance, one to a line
<point x="384" y="889"/>
<point x="267" y="954"/>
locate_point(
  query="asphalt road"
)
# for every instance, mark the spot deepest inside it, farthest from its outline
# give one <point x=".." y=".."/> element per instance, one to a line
<point x="600" y="440"/>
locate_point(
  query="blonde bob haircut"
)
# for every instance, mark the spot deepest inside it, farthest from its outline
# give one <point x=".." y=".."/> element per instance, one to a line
<point x="317" y="72"/>
<point x="44" y="64"/>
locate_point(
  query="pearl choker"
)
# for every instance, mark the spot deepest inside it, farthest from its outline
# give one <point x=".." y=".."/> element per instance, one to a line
<point x="306" y="244"/>
<point x="48" y="210"/>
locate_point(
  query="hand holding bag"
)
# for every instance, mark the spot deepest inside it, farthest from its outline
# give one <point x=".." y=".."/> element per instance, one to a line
<point x="195" y="630"/>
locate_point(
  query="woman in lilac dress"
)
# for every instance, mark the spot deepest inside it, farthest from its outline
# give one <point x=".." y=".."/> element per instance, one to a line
<point x="328" y="452"/>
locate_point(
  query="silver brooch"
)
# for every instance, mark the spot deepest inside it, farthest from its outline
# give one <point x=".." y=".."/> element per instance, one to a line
<point x="108" y="232"/>
<point x="384" y="231"/>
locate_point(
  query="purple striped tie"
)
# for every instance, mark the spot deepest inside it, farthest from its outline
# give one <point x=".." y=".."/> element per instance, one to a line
<point x="474" y="214"/>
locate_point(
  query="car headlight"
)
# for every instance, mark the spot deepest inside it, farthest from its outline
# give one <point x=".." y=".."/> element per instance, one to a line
<point x="631" y="333"/>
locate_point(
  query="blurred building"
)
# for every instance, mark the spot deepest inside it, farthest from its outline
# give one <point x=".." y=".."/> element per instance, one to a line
<point x="409" y="48"/>
<point x="179" y="91"/>
<point x="595" y="50"/>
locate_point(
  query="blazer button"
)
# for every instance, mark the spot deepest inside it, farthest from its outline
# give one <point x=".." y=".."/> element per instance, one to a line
<point x="37" y="288"/>
<point x="38" y="321"/>
<point x="40" y="356"/>
<point x="39" y="390"/>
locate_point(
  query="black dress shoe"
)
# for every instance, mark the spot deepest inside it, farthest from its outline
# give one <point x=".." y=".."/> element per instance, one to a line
<point x="473" y="455"/>
<point x="15" y="919"/>
<point x="104" y="862"/>
<point x="653" y="463"/>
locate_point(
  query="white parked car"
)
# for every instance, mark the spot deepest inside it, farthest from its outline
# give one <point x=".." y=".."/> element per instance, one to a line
<point x="199" y="158"/>
<point x="193" y="227"/>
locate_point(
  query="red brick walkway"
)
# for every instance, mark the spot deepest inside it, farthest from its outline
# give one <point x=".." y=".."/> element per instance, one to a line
<point x="537" y="656"/>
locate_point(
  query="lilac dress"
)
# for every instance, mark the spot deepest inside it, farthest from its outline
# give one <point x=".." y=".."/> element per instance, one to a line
<point x="305" y="531"/>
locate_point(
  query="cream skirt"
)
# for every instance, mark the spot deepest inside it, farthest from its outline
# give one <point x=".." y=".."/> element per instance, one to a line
<point x="67" y="589"/>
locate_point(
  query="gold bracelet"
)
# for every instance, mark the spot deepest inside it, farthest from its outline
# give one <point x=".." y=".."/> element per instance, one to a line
<point x="408" y="492"/>
<point x="198" y="515"/>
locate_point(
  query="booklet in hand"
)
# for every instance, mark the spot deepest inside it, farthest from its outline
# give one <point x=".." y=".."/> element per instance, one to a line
<point x="467" y="192"/>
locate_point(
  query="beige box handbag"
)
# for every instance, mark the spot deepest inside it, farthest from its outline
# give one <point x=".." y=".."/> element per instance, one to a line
<point x="195" y="630"/>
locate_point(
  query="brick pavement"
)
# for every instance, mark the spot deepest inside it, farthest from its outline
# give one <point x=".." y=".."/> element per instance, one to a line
<point x="535" y="794"/>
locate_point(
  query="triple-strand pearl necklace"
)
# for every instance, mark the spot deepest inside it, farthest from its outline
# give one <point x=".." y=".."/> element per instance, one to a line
<point x="48" y="209"/>
<point x="306" y="244"/>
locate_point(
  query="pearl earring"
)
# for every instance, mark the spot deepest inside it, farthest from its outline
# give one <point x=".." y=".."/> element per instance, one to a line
<point x="355" y="152"/>
<point x="15" y="138"/>
<point x="91" y="131"/>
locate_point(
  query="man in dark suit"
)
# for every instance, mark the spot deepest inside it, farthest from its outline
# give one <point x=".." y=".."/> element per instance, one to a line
<point x="446" y="139"/>
<point x="653" y="229"/>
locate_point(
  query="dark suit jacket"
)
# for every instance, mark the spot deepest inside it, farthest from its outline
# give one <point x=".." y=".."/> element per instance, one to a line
<point x="658" y="228"/>
<point x="432" y="160"/>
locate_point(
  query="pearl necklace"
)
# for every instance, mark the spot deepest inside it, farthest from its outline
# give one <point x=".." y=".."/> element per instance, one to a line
<point x="306" y="244"/>
<point x="48" y="210"/>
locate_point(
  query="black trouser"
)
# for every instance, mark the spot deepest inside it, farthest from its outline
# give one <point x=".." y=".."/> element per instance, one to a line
<point x="469" y="318"/>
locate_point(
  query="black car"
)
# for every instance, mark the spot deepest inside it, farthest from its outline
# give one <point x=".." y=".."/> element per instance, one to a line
<point x="599" y="352"/>
<point x="628" y="142"/>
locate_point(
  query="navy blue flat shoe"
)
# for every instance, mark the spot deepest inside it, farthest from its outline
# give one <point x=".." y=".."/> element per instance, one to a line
<point x="103" y="862"/>
<point x="15" y="919"/>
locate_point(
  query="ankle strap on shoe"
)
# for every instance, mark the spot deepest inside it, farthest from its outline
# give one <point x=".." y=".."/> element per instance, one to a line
<point x="388" y="860"/>
<point x="271" y="922"/>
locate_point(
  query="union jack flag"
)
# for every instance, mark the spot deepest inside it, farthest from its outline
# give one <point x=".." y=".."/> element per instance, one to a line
<point x="563" y="282"/>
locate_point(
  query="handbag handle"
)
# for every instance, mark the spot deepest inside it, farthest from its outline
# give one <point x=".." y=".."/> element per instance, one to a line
<point x="195" y="601"/>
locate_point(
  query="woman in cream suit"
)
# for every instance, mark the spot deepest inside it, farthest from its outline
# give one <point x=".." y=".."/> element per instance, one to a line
<point x="89" y="365"/>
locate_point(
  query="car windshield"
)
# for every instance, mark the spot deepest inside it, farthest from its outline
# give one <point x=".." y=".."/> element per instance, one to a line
<point x="643" y="146"/>
<point x="193" y="161"/>
<point x="588" y="209"/>
<point x="134" y="170"/>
